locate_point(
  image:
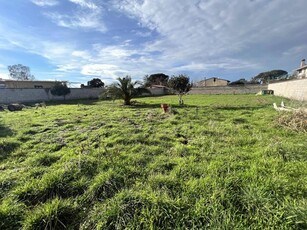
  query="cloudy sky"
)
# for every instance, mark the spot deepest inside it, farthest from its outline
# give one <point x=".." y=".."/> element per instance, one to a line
<point x="77" y="40"/>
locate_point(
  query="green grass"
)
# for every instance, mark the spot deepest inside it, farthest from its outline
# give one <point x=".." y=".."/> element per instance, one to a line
<point x="219" y="162"/>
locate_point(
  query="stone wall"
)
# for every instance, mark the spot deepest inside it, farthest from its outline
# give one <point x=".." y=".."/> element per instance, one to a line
<point x="39" y="95"/>
<point x="244" y="89"/>
<point x="294" y="89"/>
<point x="158" y="91"/>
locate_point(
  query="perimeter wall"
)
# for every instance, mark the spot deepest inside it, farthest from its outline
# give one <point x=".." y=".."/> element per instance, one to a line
<point x="244" y="89"/>
<point x="294" y="89"/>
<point x="39" y="95"/>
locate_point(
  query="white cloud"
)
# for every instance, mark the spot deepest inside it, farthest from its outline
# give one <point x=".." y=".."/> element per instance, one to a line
<point x="3" y="72"/>
<point x="117" y="52"/>
<point x="68" y="68"/>
<point x="45" y="2"/>
<point x="85" y="14"/>
<point x="178" y="36"/>
<point x="56" y="52"/>
<point x="82" y="54"/>
<point x="295" y="50"/>
<point x="4" y="76"/>
<point x="101" y="70"/>
<point x="53" y="50"/>
<point x="197" y="33"/>
<point x="80" y="19"/>
<point x="85" y="4"/>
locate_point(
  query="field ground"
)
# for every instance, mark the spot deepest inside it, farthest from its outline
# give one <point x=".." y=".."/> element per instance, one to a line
<point x="220" y="162"/>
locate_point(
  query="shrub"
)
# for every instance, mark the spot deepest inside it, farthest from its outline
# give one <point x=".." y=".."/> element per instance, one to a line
<point x="60" y="89"/>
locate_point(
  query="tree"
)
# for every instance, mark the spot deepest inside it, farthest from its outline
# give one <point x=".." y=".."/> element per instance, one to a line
<point x="60" y="89"/>
<point x="265" y="77"/>
<point x="181" y="84"/>
<point x="241" y="81"/>
<point x="156" y="79"/>
<point x="125" y="89"/>
<point x="95" y="83"/>
<point x="20" y="72"/>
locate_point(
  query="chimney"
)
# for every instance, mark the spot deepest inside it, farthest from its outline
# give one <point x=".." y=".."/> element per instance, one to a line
<point x="303" y="63"/>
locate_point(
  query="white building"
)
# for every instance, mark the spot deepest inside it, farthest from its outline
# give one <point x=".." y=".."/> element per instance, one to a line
<point x="302" y="71"/>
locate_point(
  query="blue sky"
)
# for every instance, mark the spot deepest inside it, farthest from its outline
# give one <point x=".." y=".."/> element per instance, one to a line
<point x="77" y="40"/>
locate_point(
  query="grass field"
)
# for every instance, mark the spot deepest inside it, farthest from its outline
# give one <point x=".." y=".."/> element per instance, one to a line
<point x="220" y="162"/>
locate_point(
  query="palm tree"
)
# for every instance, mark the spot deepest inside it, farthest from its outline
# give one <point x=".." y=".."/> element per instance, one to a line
<point x="125" y="89"/>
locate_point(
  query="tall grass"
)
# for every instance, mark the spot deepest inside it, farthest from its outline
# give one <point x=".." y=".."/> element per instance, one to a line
<point x="219" y="162"/>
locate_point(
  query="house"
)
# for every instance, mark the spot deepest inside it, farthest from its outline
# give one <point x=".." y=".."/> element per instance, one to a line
<point x="213" y="81"/>
<point x="21" y="84"/>
<point x="302" y="71"/>
<point x="158" y="90"/>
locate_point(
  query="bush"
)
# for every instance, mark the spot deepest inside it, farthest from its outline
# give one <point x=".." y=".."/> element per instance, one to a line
<point x="60" y="89"/>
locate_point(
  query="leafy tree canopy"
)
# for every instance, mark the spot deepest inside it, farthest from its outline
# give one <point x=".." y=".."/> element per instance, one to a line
<point x="60" y="89"/>
<point x="125" y="89"/>
<point x="269" y="75"/>
<point x="181" y="84"/>
<point x="156" y="79"/>
<point x="20" y="72"/>
<point x="95" y="83"/>
<point x="241" y="81"/>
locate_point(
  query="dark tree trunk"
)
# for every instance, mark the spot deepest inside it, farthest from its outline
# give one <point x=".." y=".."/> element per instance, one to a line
<point x="127" y="100"/>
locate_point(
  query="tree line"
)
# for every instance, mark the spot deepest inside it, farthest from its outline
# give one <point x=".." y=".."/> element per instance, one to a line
<point x="125" y="88"/>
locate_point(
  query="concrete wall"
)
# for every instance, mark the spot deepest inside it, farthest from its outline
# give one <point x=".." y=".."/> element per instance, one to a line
<point x="294" y="89"/>
<point x="158" y="91"/>
<point x="39" y="95"/>
<point x="245" y="89"/>
<point x="26" y="84"/>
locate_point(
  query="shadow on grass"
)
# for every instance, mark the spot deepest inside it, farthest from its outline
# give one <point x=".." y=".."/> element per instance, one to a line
<point x="70" y="102"/>
<point x="5" y="131"/>
<point x="7" y="147"/>
<point x="237" y="107"/>
<point x="158" y="105"/>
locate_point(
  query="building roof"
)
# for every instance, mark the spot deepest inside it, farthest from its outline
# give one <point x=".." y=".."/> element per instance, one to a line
<point x="217" y="78"/>
<point x="157" y="86"/>
<point x="38" y="81"/>
<point x="303" y="67"/>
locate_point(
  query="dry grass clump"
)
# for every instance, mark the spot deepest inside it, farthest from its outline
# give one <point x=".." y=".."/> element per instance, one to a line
<point x="296" y="120"/>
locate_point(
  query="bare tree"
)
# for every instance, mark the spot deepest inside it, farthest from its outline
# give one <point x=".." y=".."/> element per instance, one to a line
<point x="20" y="72"/>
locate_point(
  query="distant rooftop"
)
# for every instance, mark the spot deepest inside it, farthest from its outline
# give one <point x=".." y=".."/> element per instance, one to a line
<point x="12" y="80"/>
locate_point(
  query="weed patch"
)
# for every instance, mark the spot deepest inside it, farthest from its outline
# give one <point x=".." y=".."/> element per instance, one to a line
<point x="296" y="121"/>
